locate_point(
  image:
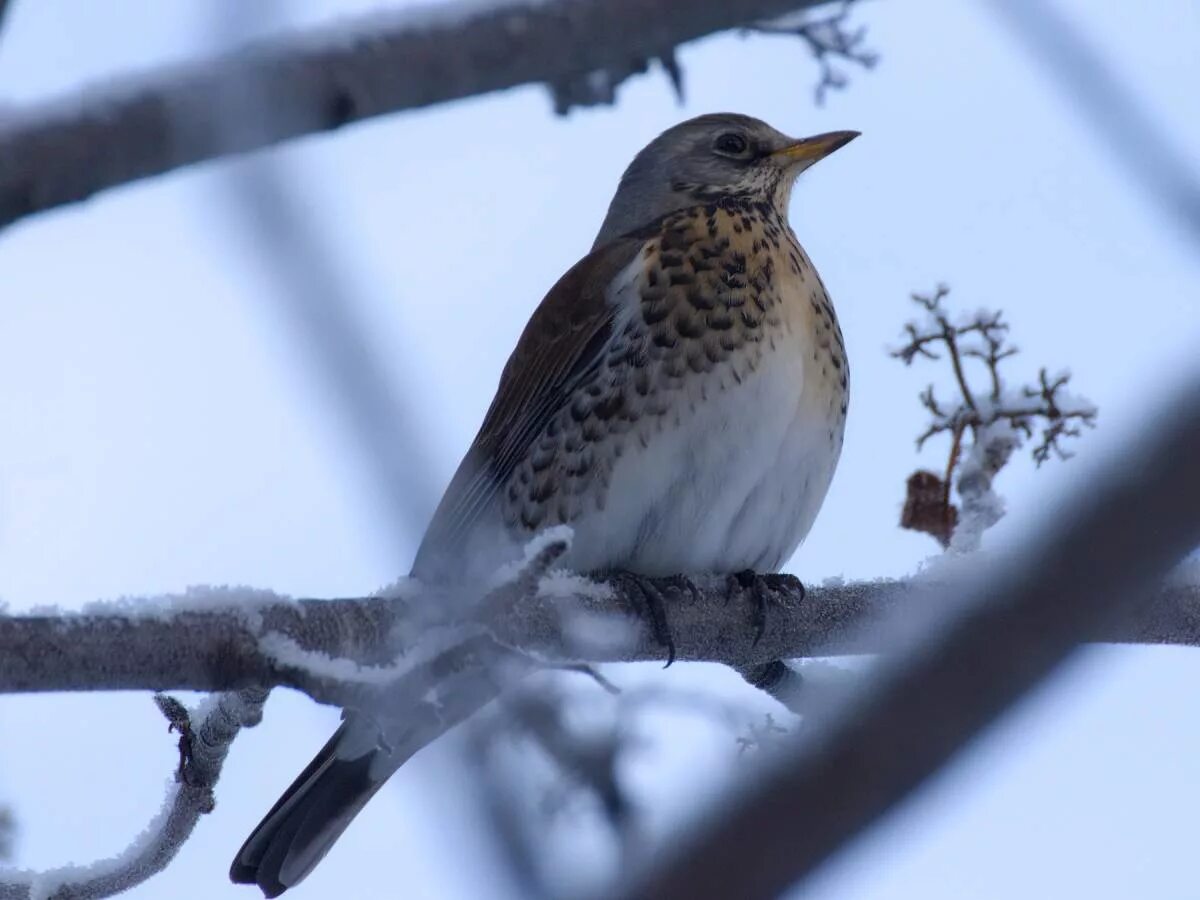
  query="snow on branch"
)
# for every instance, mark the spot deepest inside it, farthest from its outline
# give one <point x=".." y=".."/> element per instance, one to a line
<point x="273" y="90"/>
<point x="391" y="653"/>
<point x="998" y="418"/>
<point x="204" y="738"/>
<point x="362" y="652"/>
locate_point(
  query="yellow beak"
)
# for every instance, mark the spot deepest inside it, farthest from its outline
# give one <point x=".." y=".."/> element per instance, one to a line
<point x="811" y="149"/>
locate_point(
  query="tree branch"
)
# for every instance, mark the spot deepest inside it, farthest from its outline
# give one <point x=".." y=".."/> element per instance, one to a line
<point x="224" y="647"/>
<point x="202" y="748"/>
<point x="68" y="149"/>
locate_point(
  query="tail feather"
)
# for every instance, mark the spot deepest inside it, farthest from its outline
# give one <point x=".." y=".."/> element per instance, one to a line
<point x="313" y="812"/>
<point x="319" y="805"/>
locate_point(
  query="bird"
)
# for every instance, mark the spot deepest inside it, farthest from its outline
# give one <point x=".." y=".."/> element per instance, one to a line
<point x="678" y="399"/>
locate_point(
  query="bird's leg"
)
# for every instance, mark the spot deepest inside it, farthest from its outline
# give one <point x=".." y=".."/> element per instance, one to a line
<point x="762" y="588"/>
<point x="641" y="588"/>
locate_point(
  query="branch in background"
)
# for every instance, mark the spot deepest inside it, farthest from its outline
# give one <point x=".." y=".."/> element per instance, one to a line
<point x="997" y="418"/>
<point x="68" y="149"/>
<point x="202" y="751"/>
<point x="830" y="40"/>
<point x="1109" y="103"/>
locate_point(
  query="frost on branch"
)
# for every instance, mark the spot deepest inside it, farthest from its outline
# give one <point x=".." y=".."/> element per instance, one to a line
<point x="204" y="738"/>
<point x="997" y="419"/>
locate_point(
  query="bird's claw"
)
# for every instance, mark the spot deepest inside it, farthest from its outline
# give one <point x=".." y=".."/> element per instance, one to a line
<point x="763" y="589"/>
<point x="654" y="607"/>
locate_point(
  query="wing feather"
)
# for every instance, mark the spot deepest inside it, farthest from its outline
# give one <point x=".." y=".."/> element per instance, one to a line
<point x="564" y="340"/>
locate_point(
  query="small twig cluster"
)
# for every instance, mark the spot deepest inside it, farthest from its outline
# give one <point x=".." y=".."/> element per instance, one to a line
<point x="831" y="40"/>
<point x="997" y="418"/>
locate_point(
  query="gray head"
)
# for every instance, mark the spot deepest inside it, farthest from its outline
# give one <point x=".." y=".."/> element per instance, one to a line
<point x="709" y="158"/>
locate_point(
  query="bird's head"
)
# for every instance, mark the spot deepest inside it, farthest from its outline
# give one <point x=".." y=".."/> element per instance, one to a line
<point x="709" y="158"/>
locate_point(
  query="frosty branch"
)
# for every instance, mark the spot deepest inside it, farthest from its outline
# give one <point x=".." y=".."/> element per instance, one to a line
<point x="204" y="739"/>
<point x="384" y="652"/>
<point x="997" y="419"/>
<point x="281" y="88"/>
<point x="340" y="651"/>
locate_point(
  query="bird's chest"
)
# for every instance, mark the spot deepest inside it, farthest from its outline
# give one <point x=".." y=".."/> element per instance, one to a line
<point x="728" y="371"/>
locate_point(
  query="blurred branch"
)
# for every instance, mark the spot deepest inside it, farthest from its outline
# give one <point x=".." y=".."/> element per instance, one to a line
<point x="235" y="642"/>
<point x="952" y="674"/>
<point x="204" y="739"/>
<point x="1168" y="177"/>
<point x="310" y="289"/>
<point x="8" y="827"/>
<point x="68" y="149"/>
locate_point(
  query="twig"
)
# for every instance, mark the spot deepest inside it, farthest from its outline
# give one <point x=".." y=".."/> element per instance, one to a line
<point x="828" y="39"/>
<point x="202" y="751"/>
<point x="997" y="421"/>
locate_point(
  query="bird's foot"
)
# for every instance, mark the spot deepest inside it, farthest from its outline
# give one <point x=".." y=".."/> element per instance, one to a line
<point x="642" y="589"/>
<point x="763" y="589"/>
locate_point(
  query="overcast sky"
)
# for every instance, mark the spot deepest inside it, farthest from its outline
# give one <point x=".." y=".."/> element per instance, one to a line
<point x="161" y="426"/>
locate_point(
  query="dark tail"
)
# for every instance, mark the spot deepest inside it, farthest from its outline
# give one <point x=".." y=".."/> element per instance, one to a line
<point x="312" y="814"/>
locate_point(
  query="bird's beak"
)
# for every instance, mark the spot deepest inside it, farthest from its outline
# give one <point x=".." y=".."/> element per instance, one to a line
<point x="809" y="150"/>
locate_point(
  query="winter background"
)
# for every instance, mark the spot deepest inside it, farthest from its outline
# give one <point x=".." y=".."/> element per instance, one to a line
<point x="161" y="424"/>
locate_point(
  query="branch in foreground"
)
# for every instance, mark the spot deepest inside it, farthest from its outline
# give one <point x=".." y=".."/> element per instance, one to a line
<point x="953" y="674"/>
<point x="69" y="149"/>
<point x="202" y="749"/>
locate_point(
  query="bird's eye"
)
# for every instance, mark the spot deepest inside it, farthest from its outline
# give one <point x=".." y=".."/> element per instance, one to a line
<point x="730" y="144"/>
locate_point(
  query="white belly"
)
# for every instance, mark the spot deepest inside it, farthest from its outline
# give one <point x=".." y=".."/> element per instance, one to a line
<point x="729" y="480"/>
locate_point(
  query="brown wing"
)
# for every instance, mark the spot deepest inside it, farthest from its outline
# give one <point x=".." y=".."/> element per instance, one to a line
<point x="565" y="338"/>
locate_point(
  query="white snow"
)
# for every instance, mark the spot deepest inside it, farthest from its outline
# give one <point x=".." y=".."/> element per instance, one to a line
<point x="510" y="572"/>
<point x="287" y="652"/>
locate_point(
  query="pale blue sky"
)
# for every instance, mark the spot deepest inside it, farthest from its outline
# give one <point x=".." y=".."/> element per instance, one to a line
<point x="159" y="427"/>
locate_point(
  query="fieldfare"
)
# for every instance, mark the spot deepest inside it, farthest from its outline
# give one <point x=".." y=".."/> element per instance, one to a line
<point x="678" y="399"/>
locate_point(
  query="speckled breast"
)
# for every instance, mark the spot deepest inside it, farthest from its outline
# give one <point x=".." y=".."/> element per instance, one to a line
<point x="721" y="291"/>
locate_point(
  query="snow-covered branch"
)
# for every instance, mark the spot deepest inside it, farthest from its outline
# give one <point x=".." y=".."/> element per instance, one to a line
<point x="204" y="738"/>
<point x="348" y="651"/>
<point x="68" y="149"/>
